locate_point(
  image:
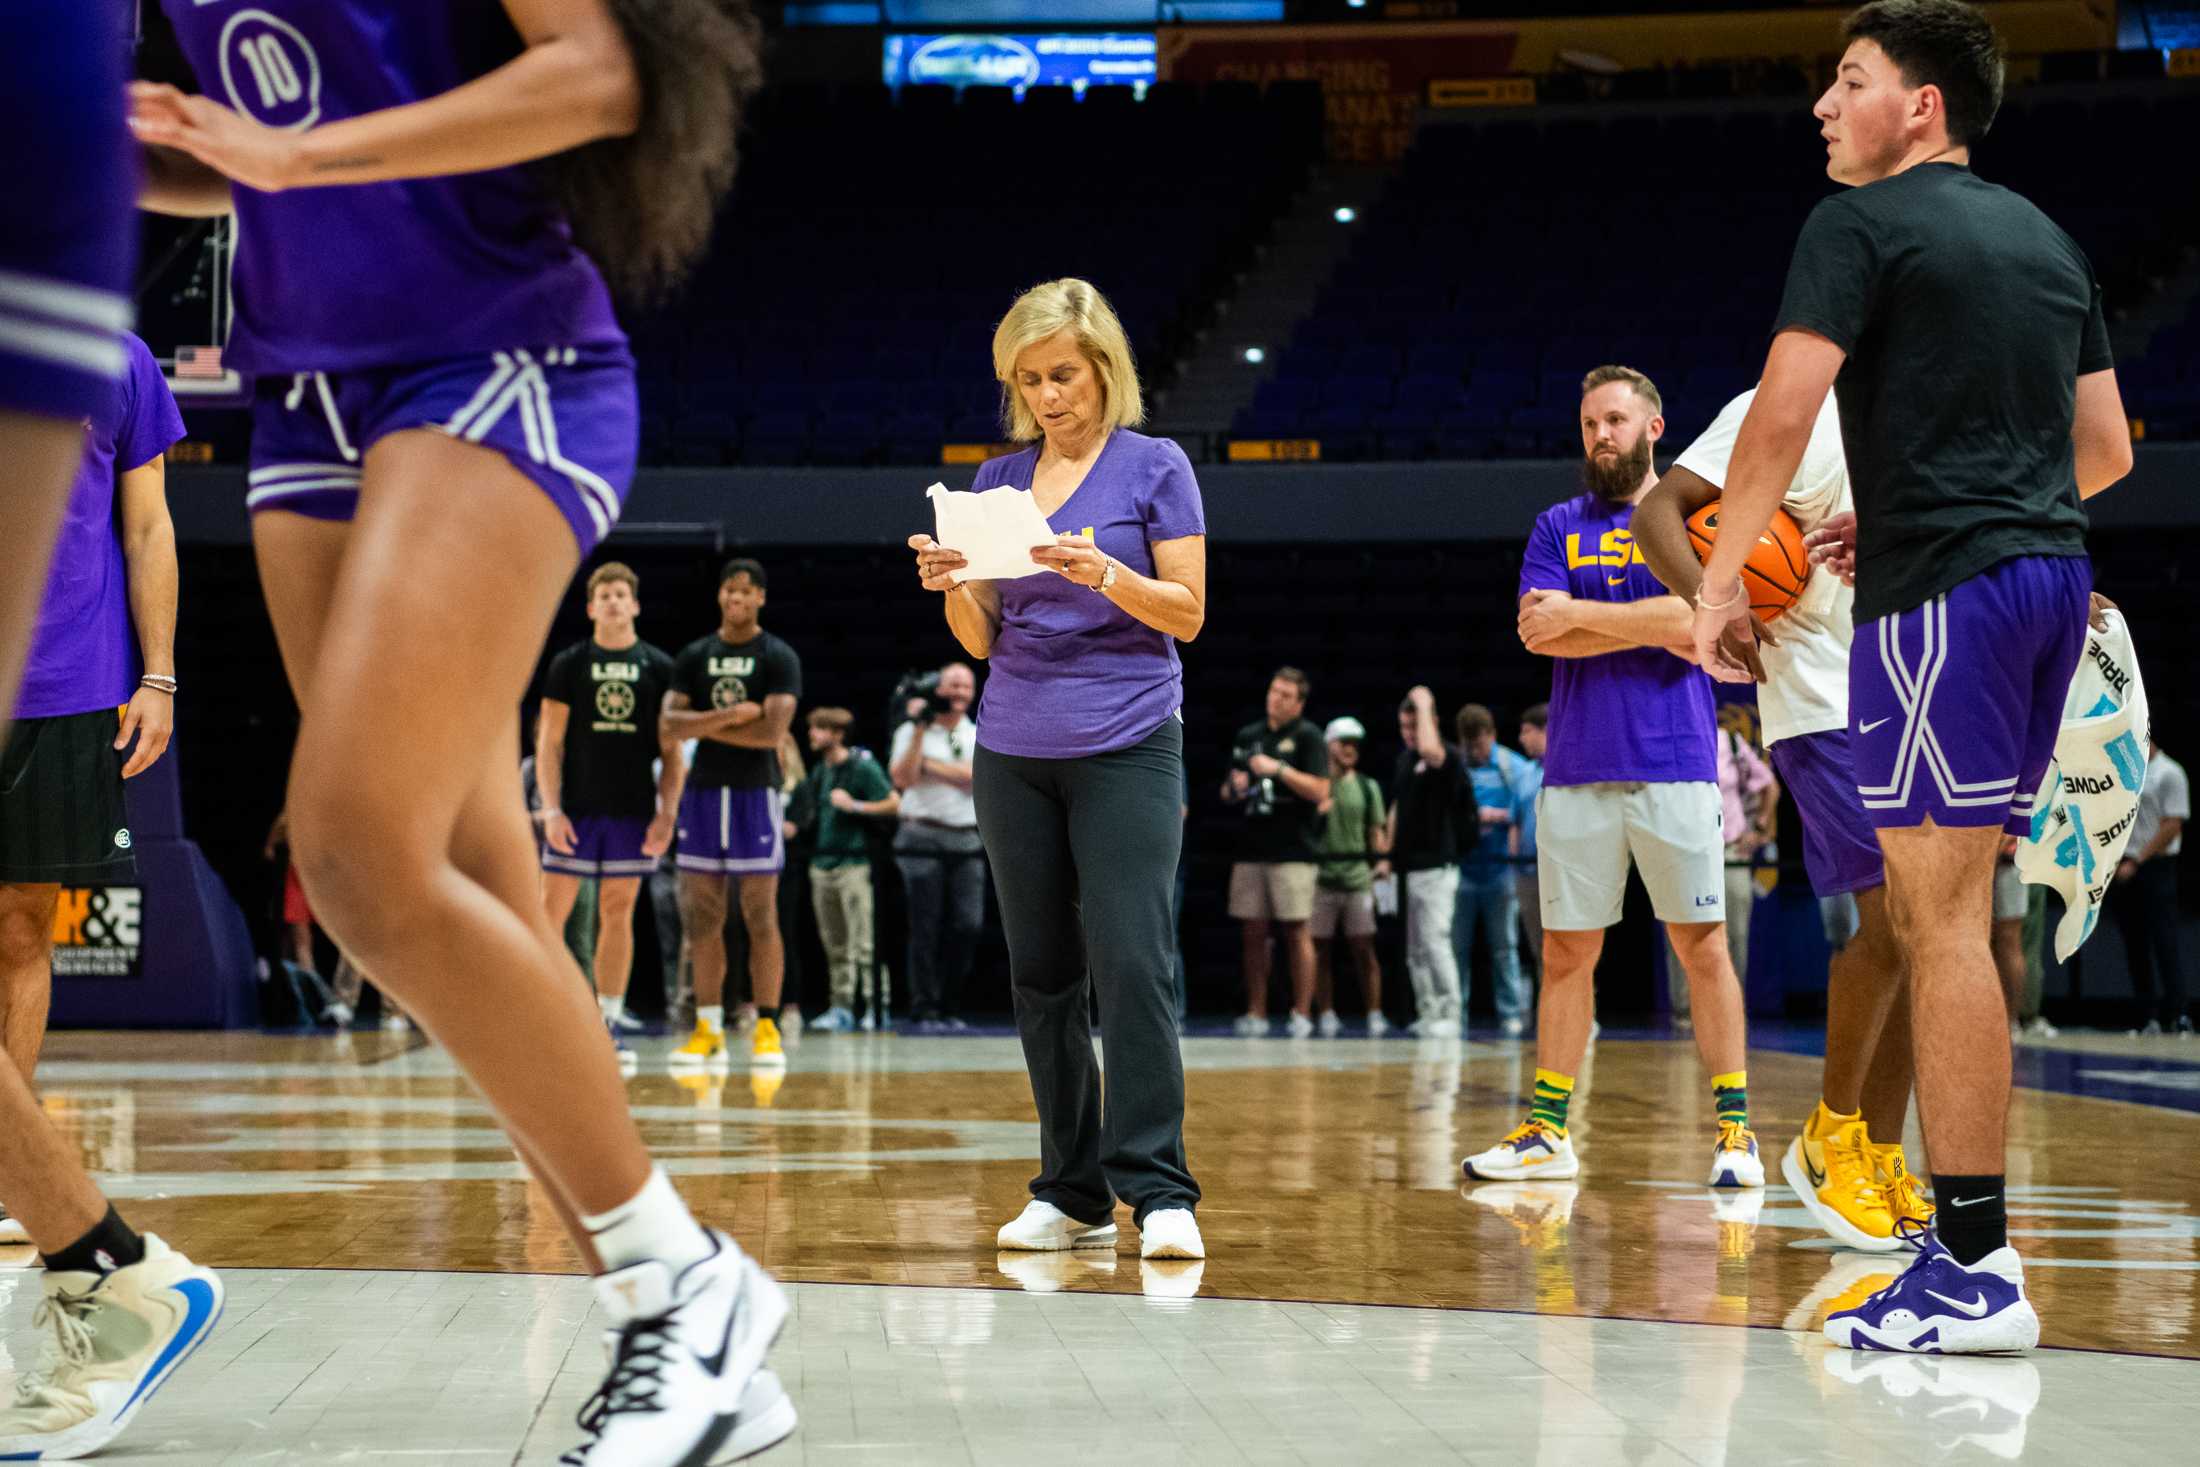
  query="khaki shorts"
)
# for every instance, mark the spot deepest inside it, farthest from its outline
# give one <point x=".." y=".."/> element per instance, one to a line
<point x="1278" y="892"/>
<point x="1351" y="911"/>
<point x="1586" y="836"/>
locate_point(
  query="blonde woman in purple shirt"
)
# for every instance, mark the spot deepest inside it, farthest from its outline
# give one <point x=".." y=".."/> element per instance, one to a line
<point x="1079" y="767"/>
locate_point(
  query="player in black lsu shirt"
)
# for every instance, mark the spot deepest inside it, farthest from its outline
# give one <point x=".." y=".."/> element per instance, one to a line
<point x="1963" y="334"/>
<point x="734" y="691"/>
<point x="610" y="785"/>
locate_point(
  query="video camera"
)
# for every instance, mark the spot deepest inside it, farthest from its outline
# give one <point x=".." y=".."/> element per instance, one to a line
<point x="925" y="685"/>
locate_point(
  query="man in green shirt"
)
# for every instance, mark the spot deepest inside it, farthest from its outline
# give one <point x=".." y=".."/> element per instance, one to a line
<point x="1352" y="839"/>
<point x="847" y="789"/>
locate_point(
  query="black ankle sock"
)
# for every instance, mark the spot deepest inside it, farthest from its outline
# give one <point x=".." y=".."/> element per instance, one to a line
<point x="108" y="1246"/>
<point x="770" y="1011"/>
<point x="1970" y="1215"/>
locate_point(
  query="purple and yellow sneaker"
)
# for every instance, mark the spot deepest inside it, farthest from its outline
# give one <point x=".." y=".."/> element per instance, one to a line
<point x="1532" y="1149"/>
<point x="1939" y="1307"/>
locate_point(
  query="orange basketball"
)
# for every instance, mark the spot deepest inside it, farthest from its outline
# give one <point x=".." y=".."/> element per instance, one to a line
<point x="1777" y="566"/>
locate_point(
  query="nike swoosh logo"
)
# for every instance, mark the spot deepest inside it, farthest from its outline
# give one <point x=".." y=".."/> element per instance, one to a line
<point x="1965" y="1201"/>
<point x="1975" y="1308"/>
<point x="1865" y="728"/>
<point x="1817" y="1177"/>
<point x="716" y="1364"/>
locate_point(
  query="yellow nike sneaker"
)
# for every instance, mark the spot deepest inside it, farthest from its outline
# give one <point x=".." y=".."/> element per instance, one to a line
<point x="706" y="1046"/>
<point x="1833" y="1176"/>
<point x="765" y="1047"/>
<point x="1905" y="1196"/>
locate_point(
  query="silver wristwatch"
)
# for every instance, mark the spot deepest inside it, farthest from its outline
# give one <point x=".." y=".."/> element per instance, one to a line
<point x="1107" y="577"/>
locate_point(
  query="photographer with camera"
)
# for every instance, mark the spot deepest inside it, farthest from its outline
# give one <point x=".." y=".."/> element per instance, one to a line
<point x="941" y="858"/>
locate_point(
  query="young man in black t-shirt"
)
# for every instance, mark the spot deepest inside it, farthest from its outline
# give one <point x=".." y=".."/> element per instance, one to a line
<point x="734" y="691"/>
<point x="1426" y="791"/>
<point x="1962" y="333"/>
<point x="610" y="789"/>
<point x="1279" y="773"/>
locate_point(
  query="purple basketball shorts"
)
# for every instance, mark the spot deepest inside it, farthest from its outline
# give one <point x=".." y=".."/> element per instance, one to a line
<point x="732" y="832"/>
<point x="603" y="845"/>
<point x="68" y="235"/>
<point x="564" y="416"/>
<point x="1955" y="705"/>
<point x="1840" y="848"/>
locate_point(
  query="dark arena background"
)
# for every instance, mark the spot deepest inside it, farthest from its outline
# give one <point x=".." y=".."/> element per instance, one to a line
<point x="1365" y="253"/>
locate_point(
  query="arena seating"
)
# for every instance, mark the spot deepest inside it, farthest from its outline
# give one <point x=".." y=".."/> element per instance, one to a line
<point x="846" y="314"/>
<point x="1508" y="257"/>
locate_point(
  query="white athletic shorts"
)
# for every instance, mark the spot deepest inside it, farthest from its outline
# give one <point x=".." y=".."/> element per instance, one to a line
<point x="2010" y="896"/>
<point x="1585" y="835"/>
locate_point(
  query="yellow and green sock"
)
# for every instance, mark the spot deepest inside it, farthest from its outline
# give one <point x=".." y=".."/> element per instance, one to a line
<point x="1553" y="1093"/>
<point x="1730" y="1097"/>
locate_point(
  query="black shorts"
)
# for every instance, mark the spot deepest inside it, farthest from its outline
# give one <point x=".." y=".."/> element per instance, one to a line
<point x="61" y="810"/>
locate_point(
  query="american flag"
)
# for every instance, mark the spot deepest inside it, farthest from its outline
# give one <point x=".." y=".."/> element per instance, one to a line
<point x="199" y="361"/>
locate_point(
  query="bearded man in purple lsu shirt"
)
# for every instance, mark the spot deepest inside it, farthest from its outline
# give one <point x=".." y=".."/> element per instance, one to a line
<point x="66" y="250"/>
<point x="432" y="197"/>
<point x="1630" y="777"/>
<point x="1963" y="335"/>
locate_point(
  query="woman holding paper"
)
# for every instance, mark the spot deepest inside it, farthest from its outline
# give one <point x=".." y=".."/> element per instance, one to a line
<point x="1079" y="767"/>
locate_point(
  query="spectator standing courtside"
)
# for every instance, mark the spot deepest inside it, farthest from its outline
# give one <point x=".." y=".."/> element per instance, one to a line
<point x="1527" y="789"/>
<point x="849" y="790"/>
<point x="1425" y="795"/>
<point x="938" y="848"/>
<point x="2144" y="897"/>
<point x="1279" y="773"/>
<point x="1489" y="900"/>
<point x="1354" y="837"/>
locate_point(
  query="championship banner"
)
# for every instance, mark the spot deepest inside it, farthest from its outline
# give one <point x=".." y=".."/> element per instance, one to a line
<point x="1374" y="77"/>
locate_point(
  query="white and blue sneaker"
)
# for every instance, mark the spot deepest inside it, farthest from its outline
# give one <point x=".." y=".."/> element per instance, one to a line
<point x="117" y="1338"/>
<point x="686" y="1384"/>
<point x="1530" y="1149"/>
<point x="1939" y="1307"/>
<point x="1735" y="1160"/>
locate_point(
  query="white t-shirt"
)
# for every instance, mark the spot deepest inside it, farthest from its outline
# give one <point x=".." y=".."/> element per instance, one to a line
<point x="1807" y="686"/>
<point x="935" y="799"/>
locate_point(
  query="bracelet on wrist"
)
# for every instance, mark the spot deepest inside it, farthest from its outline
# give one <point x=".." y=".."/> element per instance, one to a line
<point x="159" y="683"/>
<point x="1728" y="604"/>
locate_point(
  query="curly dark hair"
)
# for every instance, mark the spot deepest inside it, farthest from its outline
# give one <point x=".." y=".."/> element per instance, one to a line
<point x="643" y="205"/>
<point x="1945" y="44"/>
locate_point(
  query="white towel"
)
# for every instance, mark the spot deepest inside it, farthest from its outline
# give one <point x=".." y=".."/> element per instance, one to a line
<point x="2083" y="811"/>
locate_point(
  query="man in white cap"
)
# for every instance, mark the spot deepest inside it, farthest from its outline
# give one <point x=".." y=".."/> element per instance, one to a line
<point x="1352" y="842"/>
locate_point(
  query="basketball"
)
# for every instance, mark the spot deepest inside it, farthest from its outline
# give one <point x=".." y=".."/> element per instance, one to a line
<point x="1777" y="567"/>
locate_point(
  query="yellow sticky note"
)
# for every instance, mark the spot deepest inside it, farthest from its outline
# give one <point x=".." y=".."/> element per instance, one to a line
<point x="1086" y="532"/>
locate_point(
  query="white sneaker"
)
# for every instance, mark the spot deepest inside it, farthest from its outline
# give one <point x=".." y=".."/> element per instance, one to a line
<point x="835" y="1020"/>
<point x="118" y="1337"/>
<point x="1170" y="1232"/>
<point x="1441" y="1029"/>
<point x="1377" y="1025"/>
<point x="1043" y="1228"/>
<point x="689" y="1353"/>
<point x="1329" y="1026"/>
<point x="790" y="1025"/>
<point x="12" y="1231"/>
<point x="2039" y="1028"/>
<point x="1512" y="1028"/>
<point x="1301" y="1027"/>
<point x="1532" y="1149"/>
<point x="1249" y="1026"/>
<point x="1735" y="1161"/>
<point x="338" y="1015"/>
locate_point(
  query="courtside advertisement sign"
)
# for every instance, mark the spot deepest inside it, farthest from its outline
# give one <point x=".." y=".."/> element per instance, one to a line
<point x="1019" y="61"/>
<point x="97" y="932"/>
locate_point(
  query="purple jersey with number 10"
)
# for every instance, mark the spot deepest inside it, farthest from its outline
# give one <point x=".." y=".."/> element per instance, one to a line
<point x="1637" y="715"/>
<point x="375" y="275"/>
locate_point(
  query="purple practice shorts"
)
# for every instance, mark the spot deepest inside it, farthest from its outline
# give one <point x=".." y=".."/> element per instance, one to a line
<point x="732" y="832"/>
<point x="1840" y="848"/>
<point x="603" y="845"/>
<point x="1956" y="704"/>
<point x="564" y="416"/>
<point x="68" y="234"/>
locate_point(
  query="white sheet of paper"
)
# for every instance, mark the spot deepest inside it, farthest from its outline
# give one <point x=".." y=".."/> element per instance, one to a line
<point x="996" y="530"/>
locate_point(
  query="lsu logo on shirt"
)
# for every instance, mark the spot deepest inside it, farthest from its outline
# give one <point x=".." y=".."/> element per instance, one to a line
<point x="730" y="685"/>
<point x="1615" y="551"/>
